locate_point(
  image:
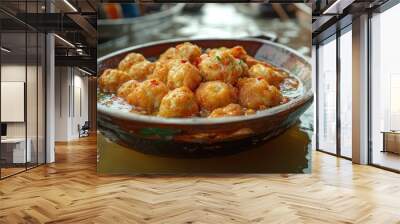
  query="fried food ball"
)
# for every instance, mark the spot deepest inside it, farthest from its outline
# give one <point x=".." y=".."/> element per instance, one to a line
<point x="189" y="51"/>
<point x="147" y="95"/>
<point x="179" y="102"/>
<point x="141" y="70"/>
<point x="182" y="73"/>
<point x="186" y="51"/>
<point x="238" y="52"/>
<point x="125" y="89"/>
<point x="221" y="65"/>
<point x="256" y="93"/>
<point x="160" y="72"/>
<point x="213" y="51"/>
<point x="129" y="60"/>
<point x="112" y="79"/>
<point x="227" y="111"/>
<point x="214" y="94"/>
<point x="273" y="76"/>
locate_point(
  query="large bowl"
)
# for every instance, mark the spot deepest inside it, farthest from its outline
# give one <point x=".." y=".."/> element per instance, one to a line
<point x="203" y="137"/>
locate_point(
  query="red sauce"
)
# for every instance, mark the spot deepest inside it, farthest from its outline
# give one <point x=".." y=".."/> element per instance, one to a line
<point x="154" y="82"/>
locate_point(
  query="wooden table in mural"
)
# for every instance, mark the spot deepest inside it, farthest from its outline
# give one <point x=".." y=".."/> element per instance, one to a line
<point x="286" y="153"/>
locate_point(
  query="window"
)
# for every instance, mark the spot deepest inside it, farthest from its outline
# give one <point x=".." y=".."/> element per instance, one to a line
<point x="346" y="94"/>
<point x="385" y="89"/>
<point x="327" y="96"/>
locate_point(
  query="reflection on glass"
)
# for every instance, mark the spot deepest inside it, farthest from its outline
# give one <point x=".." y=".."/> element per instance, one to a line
<point x="346" y="94"/>
<point x="327" y="97"/>
<point x="385" y="86"/>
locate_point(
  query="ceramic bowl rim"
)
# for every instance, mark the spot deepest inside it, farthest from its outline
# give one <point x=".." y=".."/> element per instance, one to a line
<point x="304" y="98"/>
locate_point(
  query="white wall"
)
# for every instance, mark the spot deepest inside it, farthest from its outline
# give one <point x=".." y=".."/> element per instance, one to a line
<point x="12" y="73"/>
<point x="61" y="103"/>
<point x="71" y="94"/>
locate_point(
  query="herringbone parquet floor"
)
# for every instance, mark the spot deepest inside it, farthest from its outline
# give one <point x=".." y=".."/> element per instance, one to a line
<point x="70" y="191"/>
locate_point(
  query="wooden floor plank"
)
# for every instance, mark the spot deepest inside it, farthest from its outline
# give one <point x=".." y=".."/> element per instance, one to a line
<point x="70" y="191"/>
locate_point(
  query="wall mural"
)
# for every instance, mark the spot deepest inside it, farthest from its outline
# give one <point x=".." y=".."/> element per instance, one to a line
<point x="204" y="88"/>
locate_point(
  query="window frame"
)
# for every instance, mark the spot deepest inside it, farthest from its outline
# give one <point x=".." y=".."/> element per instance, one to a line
<point x="334" y="37"/>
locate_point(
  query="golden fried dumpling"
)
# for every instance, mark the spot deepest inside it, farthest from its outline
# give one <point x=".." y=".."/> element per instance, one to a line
<point x="228" y="111"/>
<point x="182" y="73"/>
<point x="170" y="54"/>
<point x="129" y="60"/>
<point x="112" y="79"/>
<point x="214" y="94"/>
<point x="238" y="52"/>
<point x="126" y="88"/>
<point x="160" y="72"/>
<point x="221" y="65"/>
<point x="141" y="70"/>
<point x="147" y="96"/>
<point x="185" y="51"/>
<point x="189" y="51"/>
<point x="179" y="102"/>
<point x="256" y="93"/>
<point x="213" y="51"/>
<point x="273" y="76"/>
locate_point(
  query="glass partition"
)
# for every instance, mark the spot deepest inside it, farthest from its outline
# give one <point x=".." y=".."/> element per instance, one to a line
<point x="31" y="98"/>
<point x="41" y="86"/>
<point x="22" y="88"/>
<point x="14" y="145"/>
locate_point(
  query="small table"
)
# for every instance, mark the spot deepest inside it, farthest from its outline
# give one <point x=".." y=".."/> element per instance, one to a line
<point x="391" y="141"/>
